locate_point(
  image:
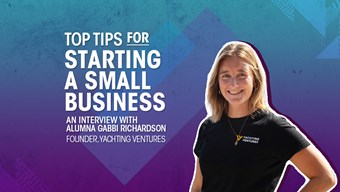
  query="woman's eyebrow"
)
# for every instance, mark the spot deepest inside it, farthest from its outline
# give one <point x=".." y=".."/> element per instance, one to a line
<point x="239" y="70"/>
<point x="242" y="70"/>
<point x="223" y="72"/>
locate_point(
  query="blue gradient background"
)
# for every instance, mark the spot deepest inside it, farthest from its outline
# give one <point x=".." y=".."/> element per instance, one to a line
<point x="300" y="44"/>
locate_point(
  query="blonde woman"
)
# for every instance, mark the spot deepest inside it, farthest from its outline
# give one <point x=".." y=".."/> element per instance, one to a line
<point x="243" y="145"/>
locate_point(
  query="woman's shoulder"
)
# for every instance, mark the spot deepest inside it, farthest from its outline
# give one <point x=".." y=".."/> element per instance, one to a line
<point x="268" y="117"/>
<point x="207" y="124"/>
<point x="278" y="120"/>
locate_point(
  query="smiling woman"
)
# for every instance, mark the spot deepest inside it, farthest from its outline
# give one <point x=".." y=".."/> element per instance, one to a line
<point x="236" y="83"/>
<point x="244" y="145"/>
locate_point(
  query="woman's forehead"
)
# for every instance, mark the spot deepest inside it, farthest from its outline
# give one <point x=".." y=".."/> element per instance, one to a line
<point x="234" y="64"/>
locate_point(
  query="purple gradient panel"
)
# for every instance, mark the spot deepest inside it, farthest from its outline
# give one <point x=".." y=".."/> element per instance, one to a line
<point x="33" y="118"/>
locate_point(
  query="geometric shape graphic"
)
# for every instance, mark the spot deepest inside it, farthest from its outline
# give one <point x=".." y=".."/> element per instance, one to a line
<point x="7" y="182"/>
<point x="314" y="12"/>
<point x="286" y="7"/>
<point x="333" y="12"/>
<point x="332" y="51"/>
<point x="28" y="181"/>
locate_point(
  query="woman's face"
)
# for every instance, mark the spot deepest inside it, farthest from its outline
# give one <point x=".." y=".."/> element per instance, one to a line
<point x="235" y="79"/>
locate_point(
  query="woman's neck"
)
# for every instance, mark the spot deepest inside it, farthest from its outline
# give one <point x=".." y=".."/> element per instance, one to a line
<point x="238" y="111"/>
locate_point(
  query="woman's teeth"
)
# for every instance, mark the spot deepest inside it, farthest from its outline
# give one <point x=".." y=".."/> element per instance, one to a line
<point x="234" y="92"/>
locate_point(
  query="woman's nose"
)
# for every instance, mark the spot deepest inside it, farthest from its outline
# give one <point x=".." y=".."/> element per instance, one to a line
<point x="234" y="81"/>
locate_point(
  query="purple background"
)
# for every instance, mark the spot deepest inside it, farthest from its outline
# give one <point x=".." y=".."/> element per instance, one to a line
<point x="299" y="43"/>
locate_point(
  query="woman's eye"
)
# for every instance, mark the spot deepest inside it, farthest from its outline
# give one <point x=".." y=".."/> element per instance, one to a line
<point x="243" y="75"/>
<point x="225" y="76"/>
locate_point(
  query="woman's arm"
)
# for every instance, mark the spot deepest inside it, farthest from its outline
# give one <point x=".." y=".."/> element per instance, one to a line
<point x="196" y="184"/>
<point x="311" y="163"/>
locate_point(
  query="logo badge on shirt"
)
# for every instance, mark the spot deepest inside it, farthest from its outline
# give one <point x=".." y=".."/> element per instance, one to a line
<point x="249" y="139"/>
